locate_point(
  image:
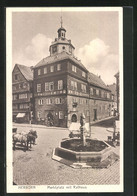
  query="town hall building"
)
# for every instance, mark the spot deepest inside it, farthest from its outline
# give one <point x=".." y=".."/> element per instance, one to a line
<point x="64" y="88"/>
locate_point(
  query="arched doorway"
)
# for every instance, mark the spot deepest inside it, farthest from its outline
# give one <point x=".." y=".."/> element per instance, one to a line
<point x="74" y="118"/>
<point x="50" y="119"/>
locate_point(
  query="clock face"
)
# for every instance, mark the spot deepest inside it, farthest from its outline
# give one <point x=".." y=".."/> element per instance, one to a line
<point x="54" y="49"/>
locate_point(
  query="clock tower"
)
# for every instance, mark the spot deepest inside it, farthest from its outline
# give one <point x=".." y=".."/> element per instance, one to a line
<point x="61" y="44"/>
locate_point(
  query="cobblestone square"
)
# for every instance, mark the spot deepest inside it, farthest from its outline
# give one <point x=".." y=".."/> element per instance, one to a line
<point x="36" y="167"/>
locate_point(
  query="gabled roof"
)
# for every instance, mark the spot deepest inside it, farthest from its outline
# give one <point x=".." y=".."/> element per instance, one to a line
<point x="58" y="57"/>
<point x="26" y="71"/>
<point x="97" y="81"/>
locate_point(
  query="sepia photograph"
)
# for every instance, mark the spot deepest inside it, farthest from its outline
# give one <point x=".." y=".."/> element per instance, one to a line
<point x="64" y="96"/>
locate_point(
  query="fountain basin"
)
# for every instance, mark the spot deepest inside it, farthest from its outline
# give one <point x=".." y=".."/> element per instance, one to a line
<point x="96" y="153"/>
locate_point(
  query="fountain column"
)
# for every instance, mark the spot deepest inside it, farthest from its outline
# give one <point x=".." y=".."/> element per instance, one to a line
<point x="83" y="129"/>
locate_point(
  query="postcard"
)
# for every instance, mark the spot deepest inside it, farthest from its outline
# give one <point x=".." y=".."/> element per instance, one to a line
<point x="64" y="97"/>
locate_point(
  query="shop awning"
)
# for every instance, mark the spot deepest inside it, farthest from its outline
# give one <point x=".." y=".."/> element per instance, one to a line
<point x="20" y="115"/>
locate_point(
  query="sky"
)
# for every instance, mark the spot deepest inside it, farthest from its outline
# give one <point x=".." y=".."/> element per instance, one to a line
<point x="95" y="36"/>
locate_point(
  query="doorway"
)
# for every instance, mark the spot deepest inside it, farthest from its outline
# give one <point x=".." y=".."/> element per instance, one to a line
<point x="95" y="114"/>
<point x="50" y="119"/>
<point x="74" y="118"/>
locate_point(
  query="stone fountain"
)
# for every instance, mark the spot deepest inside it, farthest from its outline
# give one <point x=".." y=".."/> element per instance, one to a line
<point x="84" y="152"/>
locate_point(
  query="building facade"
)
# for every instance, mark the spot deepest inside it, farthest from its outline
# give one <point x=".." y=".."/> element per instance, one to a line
<point x="22" y="93"/>
<point x="64" y="88"/>
<point x="117" y="91"/>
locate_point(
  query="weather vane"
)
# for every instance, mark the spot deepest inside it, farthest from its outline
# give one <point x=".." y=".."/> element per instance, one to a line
<point x="61" y="21"/>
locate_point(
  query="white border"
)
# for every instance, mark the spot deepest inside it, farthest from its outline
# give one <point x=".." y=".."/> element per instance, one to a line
<point x="9" y="158"/>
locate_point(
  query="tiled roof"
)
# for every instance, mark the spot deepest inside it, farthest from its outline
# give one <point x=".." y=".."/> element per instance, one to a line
<point x="26" y="71"/>
<point x="97" y="81"/>
<point x="60" y="56"/>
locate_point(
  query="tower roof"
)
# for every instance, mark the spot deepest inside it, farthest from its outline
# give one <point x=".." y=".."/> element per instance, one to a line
<point x="61" y="28"/>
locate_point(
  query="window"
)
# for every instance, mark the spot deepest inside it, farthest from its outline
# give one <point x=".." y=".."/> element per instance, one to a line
<point x="52" y="68"/>
<point x="58" y="100"/>
<point x="46" y="86"/>
<point x="74" y="85"/>
<point x="49" y="101"/>
<point x="45" y="70"/>
<point x="15" y="106"/>
<point x="24" y="106"/>
<point x="60" y="84"/>
<point x="54" y="49"/>
<point x="39" y="72"/>
<point x="24" y="85"/>
<point x="91" y="91"/>
<point x="63" y="47"/>
<point x="105" y="94"/>
<point x="87" y="101"/>
<point x="14" y="97"/>
<point x="38" y="88"/>
<point x="97" y="92"/>
<point x="21" y="106"/>
<point x="61" y="115"/>
<point x="108" y="95"/>
<point x="83" y="88"/>
<point x="16" y="76"/>
<point x="49" y="86"/>
<point x="94" y="91"/>
<point x="74" y="68"/>
<point x="40" y="101"/>
<point x="83" y="74"/>
<point x="58" y="67"/>
<point x="74" y="100"/>
<point x="23" y="96"/>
